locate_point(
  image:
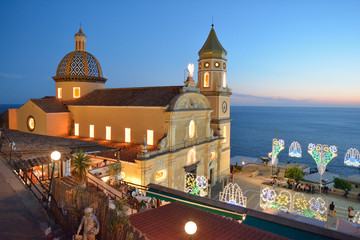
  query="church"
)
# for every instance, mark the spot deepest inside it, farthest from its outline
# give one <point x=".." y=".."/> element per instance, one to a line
<point x="164" y="132"/>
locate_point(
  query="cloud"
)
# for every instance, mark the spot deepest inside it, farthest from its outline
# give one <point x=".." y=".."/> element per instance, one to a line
<point x="241" y="99"/>
<point x="12" y="76"/>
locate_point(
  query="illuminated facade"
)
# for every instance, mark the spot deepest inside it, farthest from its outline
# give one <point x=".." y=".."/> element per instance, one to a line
<point x="173" y="130"/>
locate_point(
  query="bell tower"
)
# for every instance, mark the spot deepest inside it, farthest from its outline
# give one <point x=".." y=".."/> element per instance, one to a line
<point x="212" y="82"/>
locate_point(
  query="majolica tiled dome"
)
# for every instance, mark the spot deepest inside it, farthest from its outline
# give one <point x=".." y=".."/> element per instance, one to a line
<point x="79" y="63"/>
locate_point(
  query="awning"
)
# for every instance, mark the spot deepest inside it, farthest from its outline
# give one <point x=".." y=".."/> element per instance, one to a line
<point x="158" y="194"/>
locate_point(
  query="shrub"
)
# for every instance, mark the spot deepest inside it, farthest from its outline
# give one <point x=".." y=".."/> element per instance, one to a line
<point x="294" y="172"/>
<point x="342" y="184"/>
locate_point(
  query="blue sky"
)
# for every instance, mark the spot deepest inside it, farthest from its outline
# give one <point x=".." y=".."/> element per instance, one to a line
<point x="280" y="53"/>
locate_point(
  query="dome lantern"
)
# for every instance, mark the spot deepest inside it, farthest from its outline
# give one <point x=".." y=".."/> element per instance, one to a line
<point x="80" y="41"/>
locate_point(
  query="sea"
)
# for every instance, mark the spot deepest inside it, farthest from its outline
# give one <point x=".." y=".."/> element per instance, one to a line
<point x="253" y="128"/>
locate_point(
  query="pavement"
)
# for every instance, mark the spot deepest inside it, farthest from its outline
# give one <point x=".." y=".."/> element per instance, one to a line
<point x="21" y="214"/>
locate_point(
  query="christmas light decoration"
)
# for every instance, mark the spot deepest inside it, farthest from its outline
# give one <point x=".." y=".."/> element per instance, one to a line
<point x="322" y="154"/>
<point x="233" y="194"/>
<point x="277" y="147"/>
<point x="352" y="157"/>
<point x="196" y="186"/>
<point x="298" y="203"/>
<point x="295" y="150"/>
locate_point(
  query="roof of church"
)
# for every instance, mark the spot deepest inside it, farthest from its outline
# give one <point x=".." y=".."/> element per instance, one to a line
<point x="143" y="96"/>
<point x="50" y="105"/>
<point x="79" y="63"/>
<point x="212" y="47"/>
<point x="167" y="222"/>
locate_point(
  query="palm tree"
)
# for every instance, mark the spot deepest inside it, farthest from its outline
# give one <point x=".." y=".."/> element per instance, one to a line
<point x="114" y="171"/>
<point x="80" y="164"/>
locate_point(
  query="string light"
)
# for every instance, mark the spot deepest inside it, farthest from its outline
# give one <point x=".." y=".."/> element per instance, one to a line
<point x="277" y="147"/>
<point x="298" y="203"/>
<point x="352" y="157"/>
<point x="196" y="186"/>
<point x="295" y="150"/>
<point x="233" y="194"/>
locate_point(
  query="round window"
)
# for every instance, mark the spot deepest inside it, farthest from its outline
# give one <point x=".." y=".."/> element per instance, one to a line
<point x="217" y="64"/>
<point x="207" y="65"/>
<point x="31" y="123"/>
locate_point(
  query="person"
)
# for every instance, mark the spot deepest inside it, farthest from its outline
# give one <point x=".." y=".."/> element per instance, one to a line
<point x="91" y="225"/>
<point x="332" y="208"/>
<point x="351" y="214"/>
<point x="346" y="193"/>
<point x="326" y="189"/>
<point x="104" y="163"/>
<point x="312" y="189"/>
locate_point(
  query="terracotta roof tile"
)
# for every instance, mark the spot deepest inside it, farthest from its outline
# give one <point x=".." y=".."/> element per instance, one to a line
<point x="167" y="222"/>
<point x="50" y="105"/>
<point x="128" y="153"/>
<point x="145" y="96"/>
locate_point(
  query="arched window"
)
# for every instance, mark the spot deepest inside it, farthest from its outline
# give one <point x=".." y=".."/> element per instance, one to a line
<point x="192" y="129"/>
<point x="191" y="157"/>
<point x="206" y="79"/>
<point x="224" y="80"/>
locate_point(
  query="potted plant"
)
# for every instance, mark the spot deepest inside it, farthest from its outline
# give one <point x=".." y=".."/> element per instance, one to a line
<point x="80" y="163"/>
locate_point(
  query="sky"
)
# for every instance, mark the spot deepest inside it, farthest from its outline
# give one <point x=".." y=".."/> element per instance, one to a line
<point x="280" y="52"/>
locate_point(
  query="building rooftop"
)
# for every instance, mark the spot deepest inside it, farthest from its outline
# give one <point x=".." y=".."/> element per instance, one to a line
<point x="167" y="222"/>
<point x="50" y="105"/>
<point x="128" y="152"/>
<point x="144" y="96"/>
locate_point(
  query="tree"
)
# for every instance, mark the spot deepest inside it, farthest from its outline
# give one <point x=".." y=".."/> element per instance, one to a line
<point x="114" y="171"/>
<point x="294" y="172"/>
<point x="80" y="164"/>
<point x="342" y="184"/>
<point x="119" y="219"/>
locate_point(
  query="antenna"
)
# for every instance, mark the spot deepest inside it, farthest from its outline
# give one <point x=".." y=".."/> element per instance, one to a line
<point x="80" y="24"/>
<point x="212" y="21"/>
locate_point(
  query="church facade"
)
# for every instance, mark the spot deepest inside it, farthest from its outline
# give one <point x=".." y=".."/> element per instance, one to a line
<point x="165" y="132"/>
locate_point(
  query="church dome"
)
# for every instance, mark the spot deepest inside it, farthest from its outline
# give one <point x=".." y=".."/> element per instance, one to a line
<point x="79" y="63"/>
<point x="212" y="47"/>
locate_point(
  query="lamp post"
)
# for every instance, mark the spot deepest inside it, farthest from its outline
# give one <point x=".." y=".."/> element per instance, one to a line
<point x="190" y="228"/>
<point x="55" y="156"/>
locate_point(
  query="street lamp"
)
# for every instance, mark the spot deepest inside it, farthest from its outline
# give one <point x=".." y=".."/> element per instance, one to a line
<point x="190" y="228"/>
<point x="55" y="156"/>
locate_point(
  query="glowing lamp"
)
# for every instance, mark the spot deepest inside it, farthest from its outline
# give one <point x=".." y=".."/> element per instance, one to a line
<point x="55" y="155"/>
<point x="190" y="228"/>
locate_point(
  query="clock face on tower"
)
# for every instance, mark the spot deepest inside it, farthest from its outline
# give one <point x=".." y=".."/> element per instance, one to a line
<point x="224" y="107"/>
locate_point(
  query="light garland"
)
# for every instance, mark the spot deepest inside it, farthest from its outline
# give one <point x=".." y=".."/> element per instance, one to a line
<point x="322" y="154"/>
<point x="277" y="147"/>
<point x="357" y="218"/>
<point x="352" y="157"/>
<point x="295" y="150"/>
<point x="196" y="186"/>
<point x="233" y="194"/>
<point x="298" y="203"/>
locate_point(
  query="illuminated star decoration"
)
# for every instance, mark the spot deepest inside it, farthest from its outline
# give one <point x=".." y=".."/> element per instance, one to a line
<point x="233" y="194"/>
<point x="295" y="150"/>
<point x="277" y="147"/>
<point x="352" y="157"/>
<point x="322" y="154"/>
